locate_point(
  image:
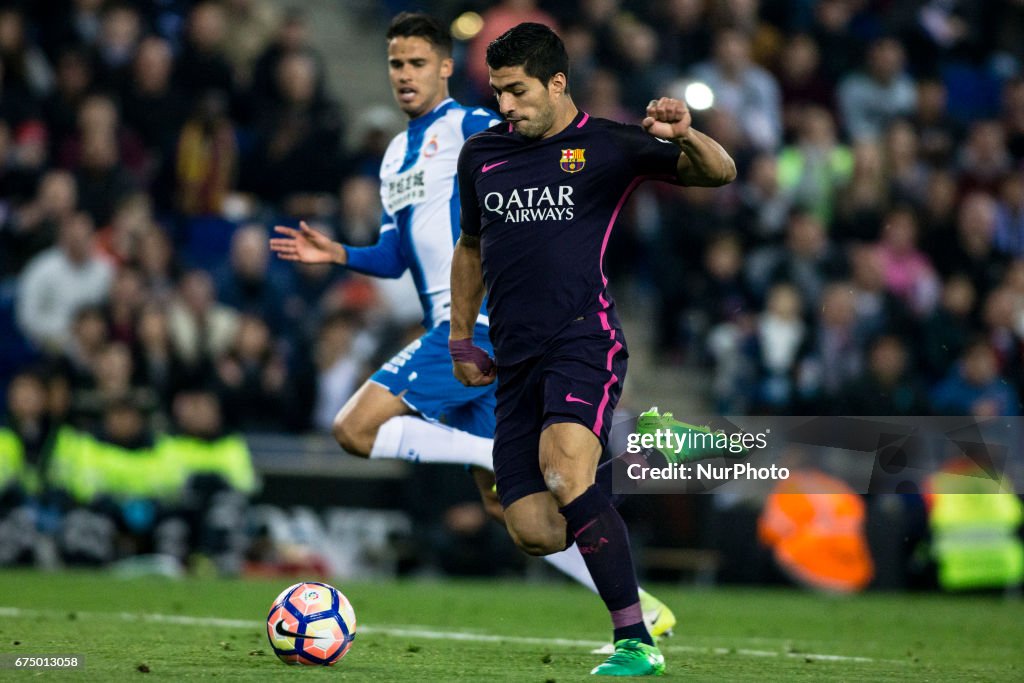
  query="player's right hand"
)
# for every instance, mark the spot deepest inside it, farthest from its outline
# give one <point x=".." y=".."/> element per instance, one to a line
<point x="306" y="245"/>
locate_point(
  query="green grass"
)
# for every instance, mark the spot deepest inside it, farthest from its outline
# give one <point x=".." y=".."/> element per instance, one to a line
<point x="724" y="635"/>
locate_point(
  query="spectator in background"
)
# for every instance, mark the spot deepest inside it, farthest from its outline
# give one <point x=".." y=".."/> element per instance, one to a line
<point x="76" y="23"/>
<point x="498" y="19"/>
<point x="639" y="72"/>
<point x="99" y="119"/>
<point x="292" y="38"/>
<point x="950" y="327"/>
<point x="888" y="387"/>
<point x="773" y="351"/>
<point x="801" y="84"/>
<point x="872" y="98"/>
<point x="251" y="378"/>
<point x="203" y="65"/>
<point x="339" y="368"/>
<point x="683" y="37"/>
<point x="156" y="261"/>
<point x="835" y="355"/>
<point x="248" y="284"/>
<point x="155" y="361"/>
<point x="111" y="386"/>
<point x="841" y="48"/>
<point x="744" y="89"/>
<point x="156" y="110"/>
<point x="764" y="206"/>
<point x="807" y="260"/>
<point x="60" y="109"/>
<point x="127" y="294"/>
<point x="102" y="179"/>
<point x="120" y="31"/>
<point x="938" y="134"/>
<point x="974" y="387"/>
<point x="602" y="97"/>
<point x="23" y="63"/>
<point x="360" y="209"/>
<point x="251" y="25"/>
<point x="938" y="215"/>
<point x="878" y="310"/>
<point x="58" y="281"/>
<point x="973" y="252"/>
<point x="119" y="241"/>
<point x="719" y="291"/>
<point x="907" y="174"/>
<point x="984" y="160"/>
<point x="309" y="285"/>
<point x="908" y="273"/>
<point x="206" y="167"/>
<point x="863" y="203"/>
<point x="1013" y="117"/>
<point x="817" y="168"/>
<point x="1010" y="216"/>
<point x="79" y="356"/>
<point x="298" y="151"/>
<point x="201" y="328"/>
<point x="35" y="225"/>
<point x="1002" y="312"/>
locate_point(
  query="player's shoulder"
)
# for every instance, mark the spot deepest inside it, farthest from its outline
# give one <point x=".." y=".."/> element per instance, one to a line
<point x="601" y="126"/>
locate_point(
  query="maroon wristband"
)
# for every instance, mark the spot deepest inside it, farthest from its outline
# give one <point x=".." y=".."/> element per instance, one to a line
<point x="465" y="351"/>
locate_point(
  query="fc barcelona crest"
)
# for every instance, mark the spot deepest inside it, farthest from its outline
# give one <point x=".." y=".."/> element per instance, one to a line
<point x="572" y="160"/>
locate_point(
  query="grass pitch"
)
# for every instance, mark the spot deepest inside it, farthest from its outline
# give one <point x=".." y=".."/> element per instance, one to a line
<point x="504" y="631"/>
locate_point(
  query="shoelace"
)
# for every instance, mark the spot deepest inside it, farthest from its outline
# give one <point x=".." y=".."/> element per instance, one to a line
<point x="629" y="649"/>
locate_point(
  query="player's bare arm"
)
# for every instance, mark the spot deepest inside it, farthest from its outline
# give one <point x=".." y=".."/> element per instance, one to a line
<point x="471" y="365"/>
<point x="307" y="245"/>
<point x="703" y="162"/>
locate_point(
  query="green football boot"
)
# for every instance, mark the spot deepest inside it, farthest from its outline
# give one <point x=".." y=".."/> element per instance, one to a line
<point x="696" y="442"/>
<point x="632" y="657"/>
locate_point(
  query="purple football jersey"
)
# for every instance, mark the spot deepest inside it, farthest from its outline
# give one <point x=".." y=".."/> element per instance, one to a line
<point x="544" y="211"/>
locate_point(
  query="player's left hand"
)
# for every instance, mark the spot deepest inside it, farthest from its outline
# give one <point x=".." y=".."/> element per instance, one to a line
<point x="471" y="365"/>
<point x="667" y="118"/>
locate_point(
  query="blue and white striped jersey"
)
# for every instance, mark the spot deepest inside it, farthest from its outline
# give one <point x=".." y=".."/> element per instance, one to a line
<point x="420" y="195"/>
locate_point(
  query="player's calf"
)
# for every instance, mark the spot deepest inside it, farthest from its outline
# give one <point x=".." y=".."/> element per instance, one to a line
<point x="535" y="524"/>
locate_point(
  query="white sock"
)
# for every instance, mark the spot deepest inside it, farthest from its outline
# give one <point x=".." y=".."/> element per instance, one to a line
<point x="570" y="562"/>
<point x="418" y="440"/>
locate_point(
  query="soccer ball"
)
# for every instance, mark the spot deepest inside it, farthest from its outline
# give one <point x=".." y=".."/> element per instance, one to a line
<point x="311" y="623"/>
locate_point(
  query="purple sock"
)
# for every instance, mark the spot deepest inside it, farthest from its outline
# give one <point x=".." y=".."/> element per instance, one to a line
<point x="603" y="541"/>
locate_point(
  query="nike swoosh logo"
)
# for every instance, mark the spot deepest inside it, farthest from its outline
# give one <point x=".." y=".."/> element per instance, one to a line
<point x="280" y="630"/>
<point x="569" y="398"/>
<point x="487" y="167"/>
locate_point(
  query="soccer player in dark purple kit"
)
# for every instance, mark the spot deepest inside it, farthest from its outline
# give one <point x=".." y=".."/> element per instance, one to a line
<point x="540" y="194"/>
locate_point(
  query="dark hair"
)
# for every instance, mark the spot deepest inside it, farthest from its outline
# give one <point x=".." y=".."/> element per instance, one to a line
<point x="420" y="25"/>
<point x="535" y="47"/>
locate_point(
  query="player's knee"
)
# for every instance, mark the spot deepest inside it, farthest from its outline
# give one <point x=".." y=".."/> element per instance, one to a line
<point x="564" y="486"/>
<point x="352" y="436"/>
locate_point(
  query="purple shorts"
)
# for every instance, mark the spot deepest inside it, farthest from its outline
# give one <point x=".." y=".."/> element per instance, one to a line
<point x="577" y="379"/>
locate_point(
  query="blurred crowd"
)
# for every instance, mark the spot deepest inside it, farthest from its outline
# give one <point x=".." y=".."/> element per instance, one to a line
<point x="870" y="258"/>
